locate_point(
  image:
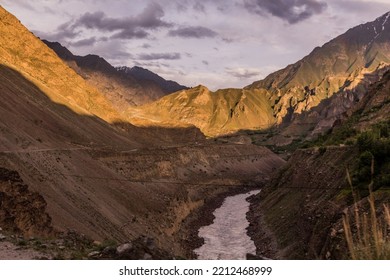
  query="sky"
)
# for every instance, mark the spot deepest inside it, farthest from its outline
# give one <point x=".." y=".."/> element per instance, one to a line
<point x="216" y="43"/>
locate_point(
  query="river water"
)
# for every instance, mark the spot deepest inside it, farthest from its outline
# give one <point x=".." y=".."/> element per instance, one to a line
<point x="226" y="238"/>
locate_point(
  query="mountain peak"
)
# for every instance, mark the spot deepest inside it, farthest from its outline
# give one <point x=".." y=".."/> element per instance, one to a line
<point x="143" y="74"/>
<point x="36" y="61"/>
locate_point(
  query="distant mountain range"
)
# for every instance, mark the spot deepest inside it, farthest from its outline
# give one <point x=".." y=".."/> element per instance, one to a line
<point x="343" y="66"/>
<point x="142" y="74"/>
<point x="123" y="86"/>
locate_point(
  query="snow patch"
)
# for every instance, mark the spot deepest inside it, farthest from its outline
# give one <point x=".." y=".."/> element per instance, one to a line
<point x="385" y="21"/>
<point x="383" y="28"/>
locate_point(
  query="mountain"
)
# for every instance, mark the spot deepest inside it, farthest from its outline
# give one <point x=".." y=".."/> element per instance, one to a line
<point x="122" y="88"/>
<point x="300" y="211"/>
<point x="346" y="65"/>
<point x="214" y="113"/>
<point x="142" y="74"/>
<point x="31" y="58"/>
<point x="340" y="64"/>
<point x="70" y="161"/>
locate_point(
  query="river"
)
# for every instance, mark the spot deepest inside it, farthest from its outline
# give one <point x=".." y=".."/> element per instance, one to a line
<point x="226" y="238"/>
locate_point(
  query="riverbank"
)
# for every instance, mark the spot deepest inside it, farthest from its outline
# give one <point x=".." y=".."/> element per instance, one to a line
<point x="204" y="216"/>
<point x="258" y="230"/>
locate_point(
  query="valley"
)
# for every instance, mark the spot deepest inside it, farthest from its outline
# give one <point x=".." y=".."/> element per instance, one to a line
<point x="104" y="162"/>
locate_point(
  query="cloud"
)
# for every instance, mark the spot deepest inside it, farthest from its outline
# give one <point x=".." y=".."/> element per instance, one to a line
<point x="292" y="11"/>
<point x="150" y="18"/>
<point x="112" y="50"/>
<point x="243" y="73"/>
<point x="180" y="7"/>
<point x="151" y="64"/>
<point x="157" y="56"/>
<point x="199" y="7"/>
<point x="193" y="32"/>
<point x="228" y="40"/>
<point x="64" y="31"/>
<point x="84" y="42"/>
<point x="146" y="46"/>
<point x="126" y="28"/>
<point x="360" y="7"/>
<point x="21" y="3"/>
<point x="139" y="26"/>
<point x="130" y="34"/>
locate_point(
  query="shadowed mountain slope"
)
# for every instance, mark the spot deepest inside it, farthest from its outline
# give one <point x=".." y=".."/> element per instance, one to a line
<point x="21" y="50"/>
<point x="123" y="86"/>
<point x="144" y="75"/>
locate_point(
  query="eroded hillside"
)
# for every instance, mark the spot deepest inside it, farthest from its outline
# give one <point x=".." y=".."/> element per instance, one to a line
<point x="300" y="212"/>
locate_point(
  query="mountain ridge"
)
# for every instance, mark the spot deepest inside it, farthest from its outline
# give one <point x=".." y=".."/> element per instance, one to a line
<point x="142" y="74"/>
<point x="122" y="88"/>
<point x="31" y="57"/>
<point x="348" y="63"/>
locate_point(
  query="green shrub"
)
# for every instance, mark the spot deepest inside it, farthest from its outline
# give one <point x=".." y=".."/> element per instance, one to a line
<point x="365" y="141"/>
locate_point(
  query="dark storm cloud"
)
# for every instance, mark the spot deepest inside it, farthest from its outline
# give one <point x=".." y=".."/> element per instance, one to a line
<point x="292" y="11"/>
<point x="193" y="32"/>
<point x="158" y="56"/>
